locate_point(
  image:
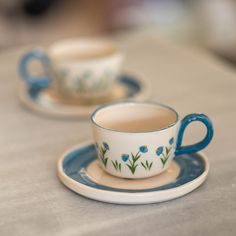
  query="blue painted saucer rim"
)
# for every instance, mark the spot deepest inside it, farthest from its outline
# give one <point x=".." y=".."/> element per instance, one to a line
<point x="135" y="85"/>
<point x="113" y="195"/>
<point x="141" y="91"/>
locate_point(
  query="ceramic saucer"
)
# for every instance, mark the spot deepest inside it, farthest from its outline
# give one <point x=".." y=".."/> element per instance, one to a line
<point x="79" y="170"/>
<point x="50" y="102"/>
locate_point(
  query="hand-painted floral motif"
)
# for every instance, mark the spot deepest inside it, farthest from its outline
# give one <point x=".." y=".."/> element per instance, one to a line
<point x="146" y="165"/>
<point x="102" y="153"/>
<point x="125" y="157"/>
<point x="87" y="81"/>
<point x="165" y="153"/>
<point x="171" y="141"/>
<point x="143" y="149"/>
<point x="135" y="157"/>
<point x="116" y="165"/>
<point x="159" y="150"/>
<point x="132" y="160"/>
<point x="106" y="146"/>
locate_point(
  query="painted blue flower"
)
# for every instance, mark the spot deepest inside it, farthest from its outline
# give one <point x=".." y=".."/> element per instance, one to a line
<point x="159" y="151"/>
<point x="143" y="149"/>
<point x="106" y="146"/>
<point x="171" y="141"/>
<point x="125" y="157"/>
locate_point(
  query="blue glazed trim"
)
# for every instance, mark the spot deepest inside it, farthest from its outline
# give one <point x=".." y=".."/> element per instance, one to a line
<point x="76" y="162"/>
<point x="35" y="83"/>
<point x="130" y="82"/>
<point x="200" y="145"/>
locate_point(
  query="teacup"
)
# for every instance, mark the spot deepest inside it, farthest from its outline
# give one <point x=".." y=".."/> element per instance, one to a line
<point x="78" y="67"/>
<point x="140" y="139"/>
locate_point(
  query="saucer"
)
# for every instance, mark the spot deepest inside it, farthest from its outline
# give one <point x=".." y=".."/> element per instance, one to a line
<point x="79" y="170"/>
<point x="50" y="102"/>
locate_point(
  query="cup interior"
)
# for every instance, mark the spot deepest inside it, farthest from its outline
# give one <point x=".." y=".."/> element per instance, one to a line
<point x="135" y="117"/>
<point x="82" y="49"/>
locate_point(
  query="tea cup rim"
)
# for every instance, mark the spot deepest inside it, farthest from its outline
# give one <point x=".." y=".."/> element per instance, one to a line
<point x="93" y="115"/>
<point x="60" y="43"/>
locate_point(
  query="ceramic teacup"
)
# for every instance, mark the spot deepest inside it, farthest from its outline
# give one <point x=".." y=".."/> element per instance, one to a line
<point x="140" y="139"/>
<point x="78" y="67"/>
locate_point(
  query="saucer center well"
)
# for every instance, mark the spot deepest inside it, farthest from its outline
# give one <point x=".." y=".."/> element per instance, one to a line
<point x="98" y="175"/>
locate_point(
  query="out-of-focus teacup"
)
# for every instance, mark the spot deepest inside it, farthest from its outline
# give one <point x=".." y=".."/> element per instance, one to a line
<point x="77" y="67"/>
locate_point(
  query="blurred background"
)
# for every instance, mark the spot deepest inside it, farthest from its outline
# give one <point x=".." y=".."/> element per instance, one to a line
<point x="209" y="24"/>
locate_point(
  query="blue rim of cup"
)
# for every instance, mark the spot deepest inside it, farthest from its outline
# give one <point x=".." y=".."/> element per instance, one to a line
<point x="92" y="117"/>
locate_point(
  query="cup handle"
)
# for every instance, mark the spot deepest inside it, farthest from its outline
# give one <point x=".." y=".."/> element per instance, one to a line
<point x="35" y="82"/>
<point x="200" y="145"/>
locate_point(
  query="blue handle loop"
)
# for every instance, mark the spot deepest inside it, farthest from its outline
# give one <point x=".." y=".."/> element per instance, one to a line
<point x="200" y="145"/>
<point x="35" y="83"/>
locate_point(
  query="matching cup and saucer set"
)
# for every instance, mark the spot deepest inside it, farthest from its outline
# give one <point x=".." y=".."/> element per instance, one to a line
<point x="79" y="75"/>
<point x="136" y="155"/>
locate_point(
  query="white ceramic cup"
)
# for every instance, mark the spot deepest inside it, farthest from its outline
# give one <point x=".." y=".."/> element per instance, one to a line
<point x="139" y="140"/>
<point x="78" y="67"/>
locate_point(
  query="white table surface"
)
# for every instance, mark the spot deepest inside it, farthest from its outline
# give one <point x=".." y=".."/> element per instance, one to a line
<point x="34" y="202"/>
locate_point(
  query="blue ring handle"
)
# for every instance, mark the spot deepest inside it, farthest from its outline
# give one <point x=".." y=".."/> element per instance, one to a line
<point x="35" y="83"/>
<point x="200" y="145"/>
